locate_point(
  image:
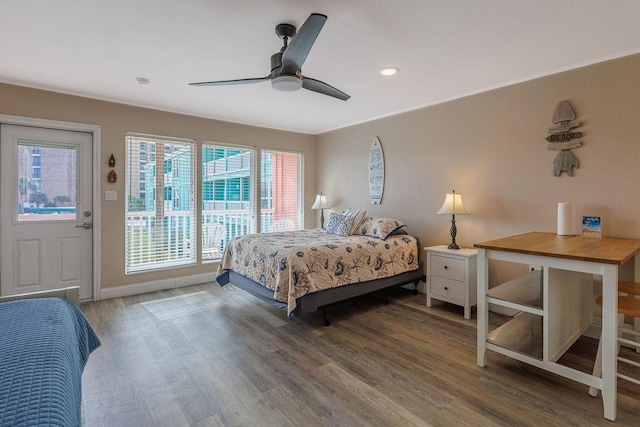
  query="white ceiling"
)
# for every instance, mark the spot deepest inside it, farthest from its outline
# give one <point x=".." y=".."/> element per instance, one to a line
<point x="445" y="49"/>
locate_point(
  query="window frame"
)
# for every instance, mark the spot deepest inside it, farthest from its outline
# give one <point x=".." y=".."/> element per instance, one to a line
<point x="173" y="238"/>
<point x="264" y="224"/>
<point x="238" y="222"/>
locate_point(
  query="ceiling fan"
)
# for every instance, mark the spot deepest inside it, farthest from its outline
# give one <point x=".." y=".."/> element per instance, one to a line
<point x="286" y="74"/>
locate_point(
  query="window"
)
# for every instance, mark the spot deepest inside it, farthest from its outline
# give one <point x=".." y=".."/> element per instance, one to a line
<point x="176" y="198"/>
<point x="228" y="196"/>
<point x="160" y="233"/>
<point x="281" y="186"/>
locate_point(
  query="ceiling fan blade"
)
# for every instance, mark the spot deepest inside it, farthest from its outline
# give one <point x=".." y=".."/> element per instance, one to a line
<point x="232" y="82"/>
<point x="323" y="88"/>
<point x="296" y="52"/>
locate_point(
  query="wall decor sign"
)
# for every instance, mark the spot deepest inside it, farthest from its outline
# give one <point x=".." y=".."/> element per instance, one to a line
<point x="562" y="136"/>
<point x="376" y="172"/>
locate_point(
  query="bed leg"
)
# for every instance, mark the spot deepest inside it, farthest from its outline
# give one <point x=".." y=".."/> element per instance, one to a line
<point x="386" y="297"/>
<point x="415" y="287"/>
<point x="324" y="316"/>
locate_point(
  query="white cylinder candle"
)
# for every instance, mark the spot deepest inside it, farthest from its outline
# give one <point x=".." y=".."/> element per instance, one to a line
<point x="564" y="219"/>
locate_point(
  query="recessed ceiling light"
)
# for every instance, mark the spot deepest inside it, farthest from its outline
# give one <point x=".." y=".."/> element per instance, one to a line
<point x="143" y="81"/>
<point x="389" y="71"/>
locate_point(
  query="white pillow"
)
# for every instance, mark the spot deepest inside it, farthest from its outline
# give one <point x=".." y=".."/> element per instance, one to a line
<point x="339" y="224"/>
<point x="357" y="215"/>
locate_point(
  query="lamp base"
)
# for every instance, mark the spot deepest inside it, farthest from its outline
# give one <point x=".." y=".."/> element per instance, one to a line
<point x="453" y="231"/>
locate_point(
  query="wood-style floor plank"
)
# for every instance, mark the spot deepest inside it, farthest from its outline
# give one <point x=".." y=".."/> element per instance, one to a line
<point x="244" y="364"/>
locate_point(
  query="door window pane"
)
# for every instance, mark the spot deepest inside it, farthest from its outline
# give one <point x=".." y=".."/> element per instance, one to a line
<point x="46" y="184"/>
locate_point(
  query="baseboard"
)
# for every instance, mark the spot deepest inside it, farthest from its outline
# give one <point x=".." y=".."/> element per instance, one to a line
<point x="156" y="285"/>
<point x="422" y="287"/>
<point x="595" y="330"/>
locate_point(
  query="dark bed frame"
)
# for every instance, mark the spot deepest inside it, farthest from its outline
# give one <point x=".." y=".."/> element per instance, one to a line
<point x="322" y="299"/>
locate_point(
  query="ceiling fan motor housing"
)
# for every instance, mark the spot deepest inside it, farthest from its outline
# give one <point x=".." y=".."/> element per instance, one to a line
<point x="276" y="61"/>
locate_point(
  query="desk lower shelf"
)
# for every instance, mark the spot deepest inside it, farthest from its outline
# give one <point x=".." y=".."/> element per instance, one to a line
<point x="522" y="334"/>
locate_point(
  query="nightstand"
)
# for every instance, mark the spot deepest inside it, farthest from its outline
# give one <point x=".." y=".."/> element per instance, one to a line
<point x="451" y="276"/>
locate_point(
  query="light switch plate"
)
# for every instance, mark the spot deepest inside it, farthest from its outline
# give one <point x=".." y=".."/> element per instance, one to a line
<point x="111" y="195"/>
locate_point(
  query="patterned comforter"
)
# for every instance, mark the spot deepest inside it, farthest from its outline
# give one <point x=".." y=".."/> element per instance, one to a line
<point x="44" y="346"/>
<point x="295" y="263"/>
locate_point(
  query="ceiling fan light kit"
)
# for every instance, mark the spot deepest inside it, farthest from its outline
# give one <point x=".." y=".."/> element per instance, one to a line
<point x="286" y="65"/>
<point x="286" y="83"/>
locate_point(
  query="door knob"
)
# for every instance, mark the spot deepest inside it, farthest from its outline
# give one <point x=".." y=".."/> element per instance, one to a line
<point x="85" y="225"/>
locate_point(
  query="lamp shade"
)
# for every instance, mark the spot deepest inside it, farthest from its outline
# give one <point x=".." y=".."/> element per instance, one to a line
<point x="321" y="202"/>
<point x="453" y="205"/>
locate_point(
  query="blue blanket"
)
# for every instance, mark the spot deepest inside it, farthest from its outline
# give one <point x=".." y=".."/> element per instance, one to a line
<point x="44" y="346"/>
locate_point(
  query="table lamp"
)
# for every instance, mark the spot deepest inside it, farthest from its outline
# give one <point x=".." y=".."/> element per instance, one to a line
<point x="453" y="206"/>
<point x="322" y="204"/>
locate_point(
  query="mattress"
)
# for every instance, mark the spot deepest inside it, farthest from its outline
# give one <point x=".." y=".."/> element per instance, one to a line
<point x="295" y="263"/>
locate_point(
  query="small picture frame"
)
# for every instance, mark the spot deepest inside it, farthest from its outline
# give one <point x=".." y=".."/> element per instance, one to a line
<point x="591" y="226"/>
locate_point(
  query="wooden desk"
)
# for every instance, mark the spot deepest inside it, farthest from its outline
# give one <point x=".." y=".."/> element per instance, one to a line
<point x="556" y="303"/>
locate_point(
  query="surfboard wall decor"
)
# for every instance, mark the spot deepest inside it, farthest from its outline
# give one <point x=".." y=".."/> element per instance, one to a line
<point x="376" y="172"/>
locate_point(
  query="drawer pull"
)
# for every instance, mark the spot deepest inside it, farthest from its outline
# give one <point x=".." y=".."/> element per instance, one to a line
<point x="446" y="289"/>
<point x="445" y="267"/>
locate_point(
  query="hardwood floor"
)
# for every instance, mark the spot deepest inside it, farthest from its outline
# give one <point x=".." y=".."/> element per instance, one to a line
<point x="243" y="363"/>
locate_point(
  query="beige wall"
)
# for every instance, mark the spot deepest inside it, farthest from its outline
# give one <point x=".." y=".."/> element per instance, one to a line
<point x="116" y="119"/>
<point x="491" y="148"/>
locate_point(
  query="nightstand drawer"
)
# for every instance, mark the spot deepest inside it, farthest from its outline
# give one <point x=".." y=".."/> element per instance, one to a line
<point x="443" y="287"/>
<point x="447" y="267"/>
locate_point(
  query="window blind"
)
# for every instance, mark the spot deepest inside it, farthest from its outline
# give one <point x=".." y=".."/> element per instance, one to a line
<point x="282" y="190"/>
<point x="160" y="202"/>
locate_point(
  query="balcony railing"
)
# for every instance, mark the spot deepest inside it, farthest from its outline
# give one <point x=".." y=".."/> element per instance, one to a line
<point x="173" y="243"/>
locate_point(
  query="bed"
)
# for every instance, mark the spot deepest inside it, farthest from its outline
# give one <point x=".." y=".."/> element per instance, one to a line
<point x="307" y="270"/>
<point x="45" y="342"/>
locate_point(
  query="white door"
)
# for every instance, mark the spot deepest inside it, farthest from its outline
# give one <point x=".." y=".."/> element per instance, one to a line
<point x="46" y="213"/>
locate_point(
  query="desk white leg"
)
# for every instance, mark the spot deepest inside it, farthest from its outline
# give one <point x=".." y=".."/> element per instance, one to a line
<point x="609" y="341"/>
<point x="483" y="307"/>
